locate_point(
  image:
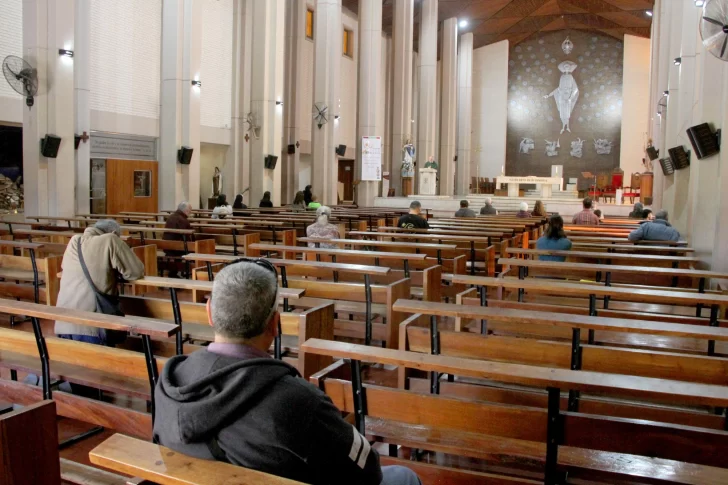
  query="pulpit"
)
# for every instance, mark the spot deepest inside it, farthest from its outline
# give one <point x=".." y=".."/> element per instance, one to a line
<point x="428" y="181"/>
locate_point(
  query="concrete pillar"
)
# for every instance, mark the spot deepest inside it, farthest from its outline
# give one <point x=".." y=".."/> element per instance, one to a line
<point x="82" y="76"/>
<point x="661" y="65"/>
<point x="387" y="113"/>
<point x="448" y="106"/>
<point x="47" y="27"/>
<point x="179" y="122"/>
<point x="465" y="97"/>
<point x="402" y="29"/>
<point x="427" y="102"/>
<point x="370" y="61"/>
<point x="293" y="107"/>
<point x="237" y="165"/>
<point x="328" y="37"/>
<point x="265" y="90"/>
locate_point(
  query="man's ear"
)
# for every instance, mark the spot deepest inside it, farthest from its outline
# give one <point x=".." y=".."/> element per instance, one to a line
<point x="273" y="324"/>
<point x="208" y="309"/>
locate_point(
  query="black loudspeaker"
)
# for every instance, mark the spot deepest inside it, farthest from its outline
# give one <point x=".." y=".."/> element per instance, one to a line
<point x="667" y="167"/>
<point x="291" y="149"/>
<point x="704" y="141"/>
<point x="76" y="141"/>
<point x="341" y="150"/>
<point x="652" y="152"/>
<point x="270" y="162"/>
<point x="680" y="158"/>
<point x="49" y="146"/>
<point x="184" y="155"/>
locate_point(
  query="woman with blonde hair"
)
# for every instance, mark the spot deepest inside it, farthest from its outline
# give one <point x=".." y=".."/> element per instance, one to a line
<point x="539" y="210"/>
<point x="322" y="228"/>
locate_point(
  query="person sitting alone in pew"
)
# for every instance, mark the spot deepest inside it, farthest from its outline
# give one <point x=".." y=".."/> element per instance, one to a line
<point x="265" y="202"/>
<point x="523" y="211"/>
<point x="464" y="210"/>
<point x="179" y="219"/>
<point x="413" y="220"/>
<point x="238" y="204"/>
<point x="232" y="402"/>
<point x="105" y="256"/>
<point x="555" y="239"/>
<point x="488" y="209"/>
<point x="298" y="203"/>
<point x="222" y="208"/>
<point x="322" y="229"/>
<point x="314" y="204"/>
<point x="655" y="230"/>
<point x="637" y="211"/>
<point x="586" y="217"/>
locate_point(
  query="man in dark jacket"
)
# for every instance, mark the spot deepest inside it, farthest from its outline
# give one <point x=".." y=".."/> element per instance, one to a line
<point x="232" y="402"/>
<point x="413" y="220"/>
<point x="656" y="230"/>
<point x="464" y="210"/>
<point x="488" y="209"/>
<point x="177" y="220"/>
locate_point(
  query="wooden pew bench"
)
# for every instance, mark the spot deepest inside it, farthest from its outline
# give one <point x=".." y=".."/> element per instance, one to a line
<point x="29" y="277"/>
<point x="684" y="262"/>
<point x="628" y="248"/>
<point x="584" y="445"/>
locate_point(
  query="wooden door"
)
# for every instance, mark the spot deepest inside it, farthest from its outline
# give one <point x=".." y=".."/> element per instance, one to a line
<point x="346" y="177"/>
<point x="131" y="185"/>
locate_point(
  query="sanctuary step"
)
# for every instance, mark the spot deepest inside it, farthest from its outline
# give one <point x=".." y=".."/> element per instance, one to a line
<point x="556" y="194"/>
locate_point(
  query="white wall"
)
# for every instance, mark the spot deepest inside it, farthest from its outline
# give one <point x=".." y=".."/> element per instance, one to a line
<point x="348" y="87"/>
<point x="635" y="104"/>
<point x="125" y="66"/>
<point x="212" y="156"/>
<point x="11" y="43"/>
<point x="490" y="108"/>
<point x="216" y="64"/>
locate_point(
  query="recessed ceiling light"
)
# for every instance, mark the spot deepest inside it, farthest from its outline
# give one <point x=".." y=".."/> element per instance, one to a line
<point x="463" y="24"/>
<point x="649" y="13"/>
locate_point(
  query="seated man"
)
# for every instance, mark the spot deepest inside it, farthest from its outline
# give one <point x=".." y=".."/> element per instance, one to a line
<point x="488" y="209"/>
<point x="586" y="217"/>
<point x="464" y="211"/>
<point x="413" y="220"/>
<point x="232" y="402"/>
<point x="179" y="219"/>
<point x="655" y="230"/>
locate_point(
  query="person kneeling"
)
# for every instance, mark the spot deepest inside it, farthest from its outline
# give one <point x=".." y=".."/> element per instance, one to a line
<point x="232" y="402"/>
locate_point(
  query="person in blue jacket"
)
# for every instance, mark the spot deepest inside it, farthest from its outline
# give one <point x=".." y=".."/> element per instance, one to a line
<point x="554" y="238"/>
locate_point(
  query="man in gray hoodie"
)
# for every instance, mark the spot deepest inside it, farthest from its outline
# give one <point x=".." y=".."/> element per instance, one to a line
<point x="232" y="402"/>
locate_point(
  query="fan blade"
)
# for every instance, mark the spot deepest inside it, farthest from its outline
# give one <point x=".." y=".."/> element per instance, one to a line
<point x="713" y="21"/>
<point x="725" y="44"/>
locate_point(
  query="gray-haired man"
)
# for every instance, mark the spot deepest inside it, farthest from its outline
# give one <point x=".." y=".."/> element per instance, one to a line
<point x="232" y="402"/>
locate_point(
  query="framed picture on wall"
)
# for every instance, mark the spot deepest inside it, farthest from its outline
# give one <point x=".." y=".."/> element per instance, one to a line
<point x="142" y="183"/>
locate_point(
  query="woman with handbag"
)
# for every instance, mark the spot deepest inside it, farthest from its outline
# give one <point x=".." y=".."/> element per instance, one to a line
<point x="89" y="282"/>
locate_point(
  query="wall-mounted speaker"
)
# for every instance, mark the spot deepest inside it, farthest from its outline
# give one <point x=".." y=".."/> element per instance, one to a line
<point x="667" y="166"/>
<point x="680" y="158"/>
<point x="652" y="152"/>
<point x="49" y="146"/>
<point x="291" y="149"/>
<point x="341" y="150"/>
<point x="76" y="141"/>
<point x="270" y="162"/>
<point x="704" y="141"/>
<point x="184" y="155"/>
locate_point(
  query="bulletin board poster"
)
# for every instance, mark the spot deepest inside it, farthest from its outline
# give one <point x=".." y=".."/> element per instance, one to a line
<point x="371" y="158"/>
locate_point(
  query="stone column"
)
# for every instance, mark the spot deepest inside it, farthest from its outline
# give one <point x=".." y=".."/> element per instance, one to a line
<point x="465" y="96"/>
<point x="370" y="62"/>
<point x="49" y="183"/>
<point x="402" y="29"/>
<point x="293" y="100"/>
<point x="82" y="76"/>
<point x="448" y="106"/>
<point x="179" y="121"/>
<point x="237" y="165"/>
<point x="328" y="37"/>
<point x="266" y="89"/>
<point x="427" y="111"/>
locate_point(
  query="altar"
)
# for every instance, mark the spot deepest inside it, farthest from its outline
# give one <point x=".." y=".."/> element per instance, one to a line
<point x="514" y="183"/>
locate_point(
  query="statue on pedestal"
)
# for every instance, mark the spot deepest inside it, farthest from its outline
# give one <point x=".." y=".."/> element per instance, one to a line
<point x="217" y="183"/>
<point x="408" y="164"/>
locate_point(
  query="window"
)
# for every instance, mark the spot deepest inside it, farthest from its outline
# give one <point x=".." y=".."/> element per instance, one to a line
<point x="348" y="43"/>
<point x="309" y="24"/>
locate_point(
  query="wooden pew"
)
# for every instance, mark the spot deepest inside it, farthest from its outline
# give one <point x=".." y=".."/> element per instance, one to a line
<point x="17" y="271"/>
<point x="559" y="440"/>
<point x="623" y="258"/>
<point x="628" y="248"/>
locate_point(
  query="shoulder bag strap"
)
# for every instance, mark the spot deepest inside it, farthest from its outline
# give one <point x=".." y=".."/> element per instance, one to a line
<point x="84" y="268"/>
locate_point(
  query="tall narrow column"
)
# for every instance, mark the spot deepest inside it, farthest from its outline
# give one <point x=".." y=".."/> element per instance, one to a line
<point x="402" y="30"/>
<point x="237" y="164"/>
<point x="179" y="122"/>
<point x="370" y="61"/>
<point x="293" y="101"/>
<point x="427" y="112"/>
<point x="465" y="95"/>
<point x="82" y="77"/>
<point x="448" y="106"/>
<point x="267" y="88"/>
<point x="328" y="37"/>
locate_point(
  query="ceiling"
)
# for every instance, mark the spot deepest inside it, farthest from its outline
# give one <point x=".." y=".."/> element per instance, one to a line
<point x="515" y="20"/>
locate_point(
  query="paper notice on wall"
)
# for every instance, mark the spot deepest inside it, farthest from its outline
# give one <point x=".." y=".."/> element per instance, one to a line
<point x="371" y="158"/>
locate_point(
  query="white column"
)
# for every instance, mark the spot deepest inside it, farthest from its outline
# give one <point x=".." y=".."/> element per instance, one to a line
<point x="465" y="97"/>
<point x="448" y="109"/>
<point x="427" y="111"/>
<point x="238" y="156"/>
<point x="328" y="37"/>
<point x="47" y="27"/>
<point x="370" y="61"/>
<point x="293" y="100"/>
<point x="402" y="29"/>
<point x="180" y="114"/>
<point x="661" y="65"/>
<point x="82" y="75"/>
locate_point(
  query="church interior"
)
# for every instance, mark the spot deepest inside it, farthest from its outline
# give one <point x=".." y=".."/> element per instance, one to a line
<point x="493" y="233"/>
